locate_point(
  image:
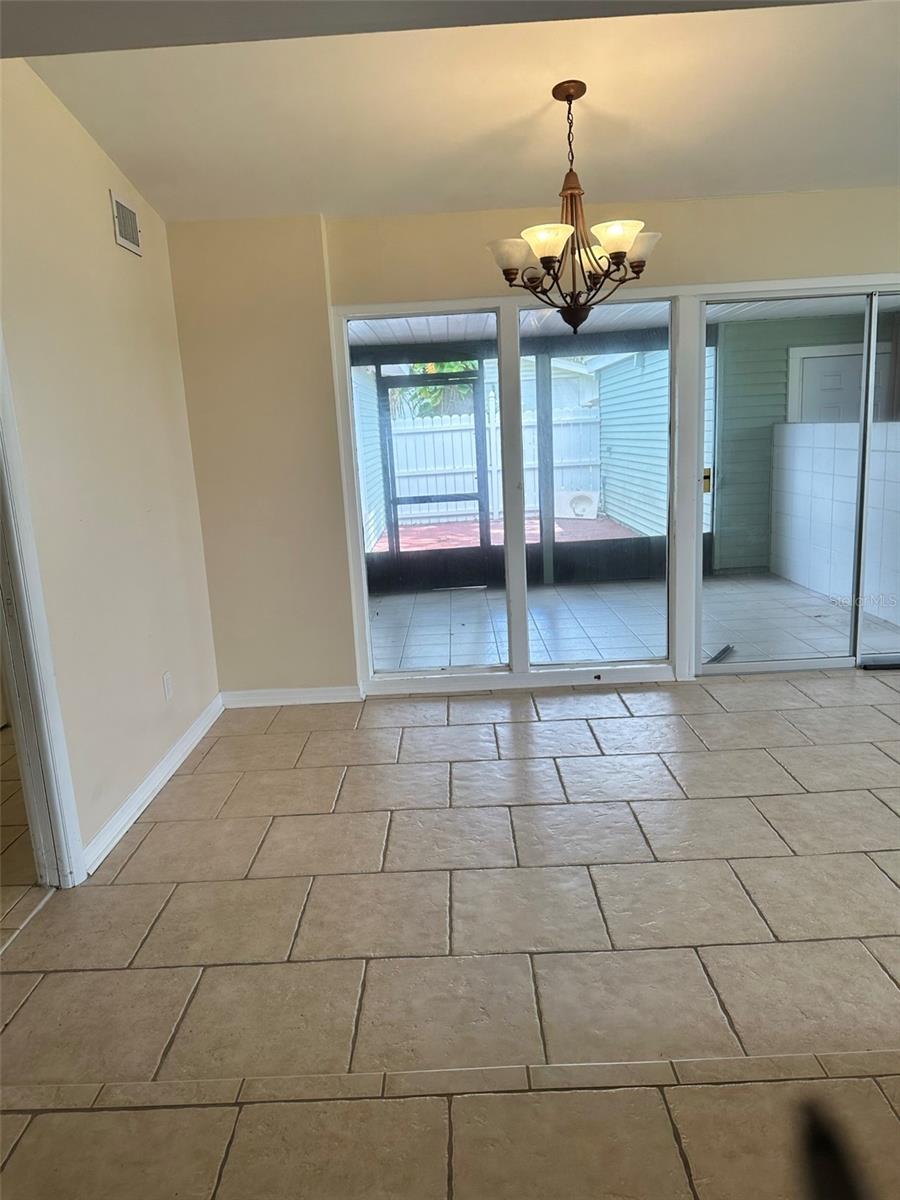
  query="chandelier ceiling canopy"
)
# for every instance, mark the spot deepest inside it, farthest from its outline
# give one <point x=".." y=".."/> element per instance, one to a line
<point x="577" y="269"/>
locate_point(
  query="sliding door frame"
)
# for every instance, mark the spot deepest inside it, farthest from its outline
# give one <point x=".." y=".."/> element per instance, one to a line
<point x="684" y="574"/>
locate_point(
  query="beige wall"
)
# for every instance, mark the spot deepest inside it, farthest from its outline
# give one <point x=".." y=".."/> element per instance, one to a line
<point x="797" y="235"/>
<point x="97" y="389"/>
<point x="253" y="320"/>
<point x="252" y="303"/>
<point x="97" y="382"/>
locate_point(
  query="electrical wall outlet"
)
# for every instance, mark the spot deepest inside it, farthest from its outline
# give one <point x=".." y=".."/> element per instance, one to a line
<point x="168" y="686"/>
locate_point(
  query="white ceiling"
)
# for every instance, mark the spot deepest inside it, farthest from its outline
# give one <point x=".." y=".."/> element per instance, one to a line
<point x="679" y="105"/>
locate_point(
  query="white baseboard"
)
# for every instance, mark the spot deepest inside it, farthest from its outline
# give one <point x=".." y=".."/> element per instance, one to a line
<point x="103" y="842"/>
<point x="263" y="697"/>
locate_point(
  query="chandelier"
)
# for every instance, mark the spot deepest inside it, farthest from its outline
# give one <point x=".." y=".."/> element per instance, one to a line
<point x="577" y="270"/>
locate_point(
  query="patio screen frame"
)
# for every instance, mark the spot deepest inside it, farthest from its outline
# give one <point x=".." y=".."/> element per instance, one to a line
<point x="390" y="563"/>
<point x="685" y="539"/>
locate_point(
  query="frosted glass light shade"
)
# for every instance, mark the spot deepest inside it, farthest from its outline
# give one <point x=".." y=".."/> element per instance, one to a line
<point x="547" y="241"/>
<point x="643" y="246"/>
<point x="596" y="266"/>
<point x="617" y="236"/>
<point x="510" y="254"/>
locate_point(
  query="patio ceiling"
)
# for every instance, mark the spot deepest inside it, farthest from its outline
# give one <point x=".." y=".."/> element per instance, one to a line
<point x="607" y="318"/>
<point x="477" y="327"/>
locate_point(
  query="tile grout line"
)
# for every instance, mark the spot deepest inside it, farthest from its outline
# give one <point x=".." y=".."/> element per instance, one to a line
<point x="862" y="941"/>
<point x="512" y="833"/>
<point x="562" y="784"/>
<point x="21" y="1003"/>
<point x="153" y="924"/>
<point x="359" y="957"/>
<point x="221" y="1171"/>
<point x="609" y="936"/>
<point x="16" y="1140"/>
<point x="296" y="933"/>
<point x="746" y="890"/>
<point x="884" y="803"/>
<point x="637" y="820"/>
<point x="868" y="854"/>
<point x="682" y="1152"/>
<point x="278" y="709"/>
<point x="305" y="735"/>
<point x="389" y="824"/>
<point x="450" y="913"/>
<point x="214" y="738"/>
<point x="358" y="1017"/>
<point x="345" y="771"/>
<point x="150" y="826"/>
<point x="894" y="1107"/>
<point x="177" y="1026"/>
<point x="674" y="777"/>
<point x="715" y="991"/>
<point x="539" y="1012"/>
<point x="93" y="1107"/>
<point x="781" y="837"/>
<point x="803" y="791"/>
<point x="255" y="854"/>
<point x="231" y="791"/>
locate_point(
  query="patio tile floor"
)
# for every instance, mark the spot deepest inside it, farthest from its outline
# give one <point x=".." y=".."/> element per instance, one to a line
<point x="763" y="616"/>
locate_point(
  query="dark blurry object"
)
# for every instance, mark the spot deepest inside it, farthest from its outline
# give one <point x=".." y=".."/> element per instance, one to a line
<point x="831" y="1173"/>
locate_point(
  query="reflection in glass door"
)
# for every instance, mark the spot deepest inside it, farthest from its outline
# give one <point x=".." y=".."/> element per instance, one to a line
<point x="879" y="602"/>
<point x="596" y="436"/>
<point x="427" y="441"/>
<point x="783" y="425"/>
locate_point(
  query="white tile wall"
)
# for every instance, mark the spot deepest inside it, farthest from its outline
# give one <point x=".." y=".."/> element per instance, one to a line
<point x="814" y="482"/>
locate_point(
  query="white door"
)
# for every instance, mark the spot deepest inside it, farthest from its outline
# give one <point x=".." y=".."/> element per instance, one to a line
<point x="831" y="386"/>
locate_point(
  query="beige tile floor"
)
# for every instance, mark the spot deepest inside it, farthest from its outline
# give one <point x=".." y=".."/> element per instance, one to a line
<point x="20" y="896"/>
<point x="589" y="943"/>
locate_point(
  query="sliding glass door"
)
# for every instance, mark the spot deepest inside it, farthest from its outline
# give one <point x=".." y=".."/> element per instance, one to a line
<point x="596" y="441"/>
<point x="783" y="478"/>
<point x="427" y="447"/>
<point x="879" y="600"/>
<point x="512" y="488"/>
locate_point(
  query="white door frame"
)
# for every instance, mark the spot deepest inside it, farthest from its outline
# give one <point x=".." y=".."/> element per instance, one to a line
<point x="29" y="672"/>
<point x="685" y="566"/>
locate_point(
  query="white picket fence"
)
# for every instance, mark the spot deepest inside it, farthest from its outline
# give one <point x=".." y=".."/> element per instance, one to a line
<point x="436" y="455"/>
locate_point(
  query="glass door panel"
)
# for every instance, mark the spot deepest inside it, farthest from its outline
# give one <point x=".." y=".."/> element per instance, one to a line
<point x="879" y="604"/>
<point x="596" y="436"/>
<point x="783" y="401"/>
<point x="427" y="447"/>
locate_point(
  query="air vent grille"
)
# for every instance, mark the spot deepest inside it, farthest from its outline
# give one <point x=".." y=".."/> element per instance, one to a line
<point x="125" y="224"/>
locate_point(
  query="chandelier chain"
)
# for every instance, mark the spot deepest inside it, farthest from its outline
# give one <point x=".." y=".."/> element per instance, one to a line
<point x="570" y="137"/>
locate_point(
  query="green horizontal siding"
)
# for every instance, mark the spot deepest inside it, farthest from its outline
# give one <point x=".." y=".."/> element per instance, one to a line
<point x="752" y="384"/>
<point x="368" y="453"/>
<point x="634" y="441"/>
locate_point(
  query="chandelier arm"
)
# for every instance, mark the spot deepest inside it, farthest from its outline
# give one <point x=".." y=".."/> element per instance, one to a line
<point x="532" y="292"/>
<point x="594" y="294"/>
